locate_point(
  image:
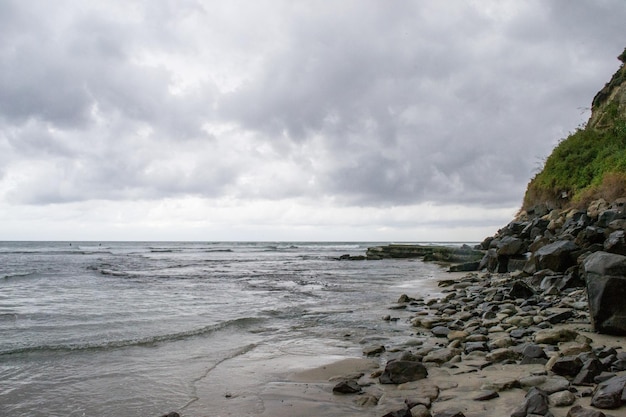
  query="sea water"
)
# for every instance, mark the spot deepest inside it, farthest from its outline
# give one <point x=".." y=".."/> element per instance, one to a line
<point x="140" y="328"/>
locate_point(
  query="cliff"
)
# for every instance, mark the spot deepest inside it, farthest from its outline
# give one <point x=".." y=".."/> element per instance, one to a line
<point x="591" y="162"/>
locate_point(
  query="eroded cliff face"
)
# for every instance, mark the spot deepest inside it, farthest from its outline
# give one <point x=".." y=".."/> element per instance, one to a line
<point x="610" y="102"/>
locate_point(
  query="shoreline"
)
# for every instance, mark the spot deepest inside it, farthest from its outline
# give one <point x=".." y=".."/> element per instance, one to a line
<point x="498" y="370"/>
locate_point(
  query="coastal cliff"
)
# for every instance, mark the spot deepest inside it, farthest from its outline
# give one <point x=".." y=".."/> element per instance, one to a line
<point x="574" y="208"/>
<point x="591" y="162"/>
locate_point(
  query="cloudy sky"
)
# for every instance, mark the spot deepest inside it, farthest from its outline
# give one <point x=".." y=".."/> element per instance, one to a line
<point x="288" y="120"/>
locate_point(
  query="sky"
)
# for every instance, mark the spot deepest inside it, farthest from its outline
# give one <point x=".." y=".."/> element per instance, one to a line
<point x="274" y="120"/>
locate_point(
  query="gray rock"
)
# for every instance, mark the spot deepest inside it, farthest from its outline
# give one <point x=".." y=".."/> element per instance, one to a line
<point x="605" y="274"/>
<point x="404" y="412"/>
<point x="501" y="354"/>
<point x="420" y="410"/>
<point x="536" y="402"/>
<point x="449" y="413"/>
<point x="486" y="395"/>
<point x="347" y="387"/>
<point x="554" y="384"/>
<point x="591" y="369"/>
<point x="476" y="347"/>
<point x="616" y="243"/>
<point x="521" y="290"/>
<point x="609" y="393"/>
<point x="441" y="355"/>
<point x="579" y="411"/>
<point x="554" y="336"/>
<point x="399" y="372"/>
<point x="366" y="400"/>
<point x="440" y="331"/>
<point x="534" y="351"/>
<point x="560" y="317"/>
<point x="373" y="350"/>
<point x="511" y="246"/>
<point x="556" y="256"/>
<point x="567" y="366"/>
<point x="562" y="399"/>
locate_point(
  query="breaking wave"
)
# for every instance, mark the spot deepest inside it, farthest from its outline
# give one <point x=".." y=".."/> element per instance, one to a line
<point x="145" y="341"/>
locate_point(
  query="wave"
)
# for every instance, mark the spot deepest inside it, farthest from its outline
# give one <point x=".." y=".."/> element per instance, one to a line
<point x="145" y="341"/>
<point x="113" y="273"/>
<point x="18" y="275"/>
<point x="8" y="316"/>
<point x="41" y="252"/>
<point x="217" y="250"/>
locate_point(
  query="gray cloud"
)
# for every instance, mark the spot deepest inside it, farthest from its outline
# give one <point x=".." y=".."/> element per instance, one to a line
<point x="447" y="102"/>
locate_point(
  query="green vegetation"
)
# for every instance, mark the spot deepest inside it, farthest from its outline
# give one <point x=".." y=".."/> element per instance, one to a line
<point x="586" y="165"/>
<point x="591" y="162"/>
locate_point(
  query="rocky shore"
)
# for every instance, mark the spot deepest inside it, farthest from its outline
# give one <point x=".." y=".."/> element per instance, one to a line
<point x="537" y="332"/>
<point x="494" y="345"/>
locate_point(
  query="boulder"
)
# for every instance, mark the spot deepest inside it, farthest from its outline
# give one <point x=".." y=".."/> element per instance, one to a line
<point x="554" y="336"/>
<point x="536" y="402"/>
<point x="521" y="290"/>
<point x="609" y="393"/>
<point x="567" y="366"/>
<point x="556" y="256"/>
<point x="616" y="243"/>
<point x="591" y="369"/>
<point x="511" y="246"/>
<point x="399" y="372"/>
<point x="607" y="216"/>
<point x="605" y="276"/>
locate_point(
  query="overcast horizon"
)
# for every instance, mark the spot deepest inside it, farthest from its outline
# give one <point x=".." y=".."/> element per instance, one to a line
<point x="276" y="120"/>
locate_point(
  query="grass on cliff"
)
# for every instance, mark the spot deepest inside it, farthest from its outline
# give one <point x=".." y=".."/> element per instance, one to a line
<point x="587" y="165"/>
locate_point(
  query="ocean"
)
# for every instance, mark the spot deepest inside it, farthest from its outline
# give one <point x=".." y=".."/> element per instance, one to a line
<point x="144" y="328"/>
